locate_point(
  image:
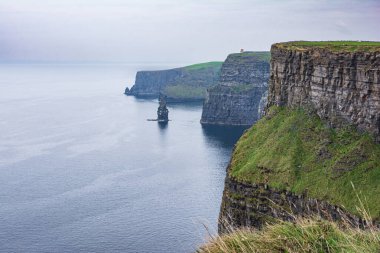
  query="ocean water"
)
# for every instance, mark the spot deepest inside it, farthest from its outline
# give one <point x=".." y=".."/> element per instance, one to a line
<point x="82" y="170"/>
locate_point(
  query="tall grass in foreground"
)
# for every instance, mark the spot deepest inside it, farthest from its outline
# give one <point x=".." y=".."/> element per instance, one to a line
<point x="304" y="235"/>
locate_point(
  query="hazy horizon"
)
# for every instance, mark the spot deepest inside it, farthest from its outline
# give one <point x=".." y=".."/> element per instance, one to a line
<point x="172" y="31"/>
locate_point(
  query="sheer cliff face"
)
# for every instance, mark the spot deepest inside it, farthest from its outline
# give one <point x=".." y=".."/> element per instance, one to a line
<point x="241" y="91"/>
<point x="150" y="83"/>
<point x="342" y="87"/>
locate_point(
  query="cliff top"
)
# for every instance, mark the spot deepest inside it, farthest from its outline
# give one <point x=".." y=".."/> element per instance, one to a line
<point x="252" y="56"/>
<point x="212" y="64"/>
<point x="334" y="46"/>
<point x="295" y="150"/>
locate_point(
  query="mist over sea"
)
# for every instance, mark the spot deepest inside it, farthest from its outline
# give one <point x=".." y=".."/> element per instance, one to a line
<point x="82" y="170"/>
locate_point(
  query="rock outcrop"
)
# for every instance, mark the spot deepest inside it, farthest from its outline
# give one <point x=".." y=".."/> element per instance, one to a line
<point x="341" y="86"/>
<point x="239" y="97"/>
<point x="293" y="162"/>
<point x="179" y="84"/>
<point x="162" y="111"/>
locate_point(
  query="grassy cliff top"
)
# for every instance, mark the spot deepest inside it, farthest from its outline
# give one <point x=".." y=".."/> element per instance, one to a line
<point x="259" y="55"/>
<point x="212" y="64"/>
<point x="295" y="150"/>
<point x="335" y="46"/>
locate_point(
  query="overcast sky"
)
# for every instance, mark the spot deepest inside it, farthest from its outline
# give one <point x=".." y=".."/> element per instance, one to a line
<point x="173" y="30"/>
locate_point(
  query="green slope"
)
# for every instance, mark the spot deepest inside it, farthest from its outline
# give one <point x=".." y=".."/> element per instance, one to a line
<point x="295" y="150"/>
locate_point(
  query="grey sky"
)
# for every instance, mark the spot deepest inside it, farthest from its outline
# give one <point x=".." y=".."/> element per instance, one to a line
<point x="173" y="30"/>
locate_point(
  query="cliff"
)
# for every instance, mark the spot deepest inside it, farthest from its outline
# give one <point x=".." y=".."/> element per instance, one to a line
<point x="179" y="84"/>
<point x="341" y="83"/>
<point x="318" y="138"/>
<point x="240" y="96"/>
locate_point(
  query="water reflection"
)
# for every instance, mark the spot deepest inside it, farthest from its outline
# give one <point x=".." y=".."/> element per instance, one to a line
<point x="226" y="136"/>
<point x="162" y="125"/>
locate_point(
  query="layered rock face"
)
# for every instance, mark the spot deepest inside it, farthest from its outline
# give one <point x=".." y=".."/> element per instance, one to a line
<point x="150" y="83"/>
<point x="253" y="205"/>
<point x="179" y="84"/>
<point x="240" y="95"/>
<point x="342" y="87"/>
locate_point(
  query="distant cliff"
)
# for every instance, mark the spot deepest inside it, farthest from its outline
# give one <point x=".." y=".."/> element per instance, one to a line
<point x="317" y="139"/>
<point x="179" y="84"/>
<point x="240" y="96"/>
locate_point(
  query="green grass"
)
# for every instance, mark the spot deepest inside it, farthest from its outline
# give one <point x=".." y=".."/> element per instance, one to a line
<point x="308" y="235"/>
<point x="295" y="150"/>
<point x="185" y="91"/>
<point x="346" y="46"/>
<point x="259" y="56"/>
<point x="213" y="64"/>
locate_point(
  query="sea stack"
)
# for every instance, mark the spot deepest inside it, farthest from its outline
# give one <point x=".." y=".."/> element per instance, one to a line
<point x="162" y="111"/>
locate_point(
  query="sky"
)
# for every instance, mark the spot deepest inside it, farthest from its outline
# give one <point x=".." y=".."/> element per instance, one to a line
<point x="186" y="31"/>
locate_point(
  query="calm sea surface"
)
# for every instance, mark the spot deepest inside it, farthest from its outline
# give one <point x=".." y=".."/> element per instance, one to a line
<point x="81" y="170"/>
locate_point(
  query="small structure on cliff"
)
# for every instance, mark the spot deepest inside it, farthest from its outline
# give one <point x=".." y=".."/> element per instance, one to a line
<point x="162" y="111"/>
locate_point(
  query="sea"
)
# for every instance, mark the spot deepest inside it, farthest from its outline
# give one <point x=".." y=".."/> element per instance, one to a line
<point x="82" y="170"/>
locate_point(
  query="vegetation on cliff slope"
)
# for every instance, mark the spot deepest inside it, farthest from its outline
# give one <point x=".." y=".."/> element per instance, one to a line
<point x="252" y="56"/>
<point x="295" y="150"/>
<point x="335" y="46"/>
<point x="192" y="85"/>
<point x="308" y="235"/>
<point x="185" y="92"/>
<point x="213" y="64"/>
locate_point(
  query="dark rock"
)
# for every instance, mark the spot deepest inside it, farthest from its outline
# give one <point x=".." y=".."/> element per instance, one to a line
<point x="162" y="111"/>
<point x="127" y="91"/>
<point x="240" y="96"/>
<point x="253" y="206"/>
